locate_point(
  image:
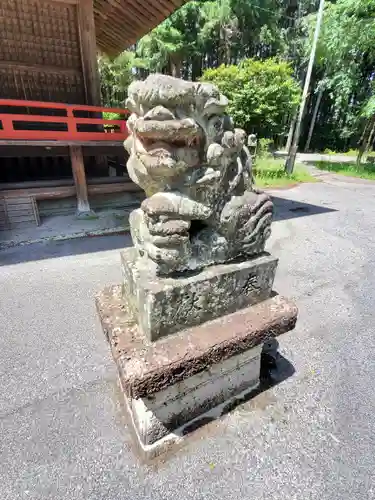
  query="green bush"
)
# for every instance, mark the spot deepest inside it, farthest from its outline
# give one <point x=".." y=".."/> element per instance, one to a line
<point x="264" y="148"/>
<point x="328" y="151"/>
<point x="262" y="94"/>
<point x="107" y="115"/>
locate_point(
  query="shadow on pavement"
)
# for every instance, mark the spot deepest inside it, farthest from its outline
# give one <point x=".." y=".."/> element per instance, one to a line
<point x="274" y="370"/>
<point x="290" y="209"/>
<point x="284" y="209"/>
<point x="56" y="249"/>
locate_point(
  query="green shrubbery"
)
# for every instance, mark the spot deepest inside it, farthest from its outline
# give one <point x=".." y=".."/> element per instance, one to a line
<point x="262" y="94"/>
<point x="264" y="148"/>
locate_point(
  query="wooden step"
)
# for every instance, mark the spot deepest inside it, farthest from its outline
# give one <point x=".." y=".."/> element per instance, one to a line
<point x="18" y="211"/>
<point x="4" y="222"/>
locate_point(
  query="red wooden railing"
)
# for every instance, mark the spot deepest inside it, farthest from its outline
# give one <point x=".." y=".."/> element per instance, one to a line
<point x="33" y="125"/>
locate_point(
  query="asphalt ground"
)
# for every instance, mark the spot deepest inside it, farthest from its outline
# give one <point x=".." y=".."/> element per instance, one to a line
<point x="310" y="436"/>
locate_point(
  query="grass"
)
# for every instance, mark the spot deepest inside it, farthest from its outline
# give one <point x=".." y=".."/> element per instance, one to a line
<point x="351" y="152"/>
<point x="364" y="171"/>
<point x="270" y="172"/>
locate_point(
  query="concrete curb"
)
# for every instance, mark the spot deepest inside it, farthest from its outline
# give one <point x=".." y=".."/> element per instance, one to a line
<point x="63" y="237"/>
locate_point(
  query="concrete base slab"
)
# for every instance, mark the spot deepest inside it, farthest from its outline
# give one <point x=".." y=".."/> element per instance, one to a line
<point x="165" y="305"/>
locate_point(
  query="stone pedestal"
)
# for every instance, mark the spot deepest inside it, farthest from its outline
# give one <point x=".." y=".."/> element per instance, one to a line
<point x="164" y="305"/>
<point x="169" y="383"/>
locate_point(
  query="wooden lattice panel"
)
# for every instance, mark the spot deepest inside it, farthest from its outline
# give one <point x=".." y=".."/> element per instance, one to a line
<point x="39" y="32"/>
<point x="39" y="85"/>
<point x="40" y="55"/>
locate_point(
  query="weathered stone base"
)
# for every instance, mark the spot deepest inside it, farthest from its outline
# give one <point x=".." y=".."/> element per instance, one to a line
<point x="172" y="437"/>
<point x="167" y="305"/>
<point x="162" y="413"/>
<point x="177" y="379"/>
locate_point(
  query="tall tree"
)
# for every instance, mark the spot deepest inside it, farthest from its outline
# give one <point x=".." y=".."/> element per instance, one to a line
<point x="163" y="48"/>
<point x="116" y="75"/>
<point x="347" y="58"/>
<point x="367" y="139"/>
<point x="203" y="34"/>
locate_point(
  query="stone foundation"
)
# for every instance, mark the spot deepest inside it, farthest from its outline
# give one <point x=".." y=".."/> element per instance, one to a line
<point x="169" y="383"/>
<point x="161" y="414"/>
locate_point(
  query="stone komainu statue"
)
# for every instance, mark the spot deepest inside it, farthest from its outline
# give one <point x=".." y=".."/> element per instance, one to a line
<point x="185" y="153"/>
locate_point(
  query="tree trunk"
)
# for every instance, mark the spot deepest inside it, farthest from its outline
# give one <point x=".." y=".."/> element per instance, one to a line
<point x="196" y="68"/>
<point x="222" y="43"/>
<point x="175" y="64"/>
<point x="186" y="70"/>
<point x="227" y="52"/>
<point x="361" y="150"/>
<point x="366" y="138"/>
<point x="227" y="46"/>
<point x="292" y="152"/>
<point x="371" y="138"/>
<point x="291" y="131"/>
<point x="364" y="131"/>
<point x="313" y="119"/>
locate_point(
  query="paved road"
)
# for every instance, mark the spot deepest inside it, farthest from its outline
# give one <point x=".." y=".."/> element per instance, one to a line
<point x="312" y="436"/>
<point x="314" y="157"/>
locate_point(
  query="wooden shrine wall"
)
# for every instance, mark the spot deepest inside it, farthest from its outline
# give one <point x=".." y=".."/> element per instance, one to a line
<point x="40" y="56"/>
